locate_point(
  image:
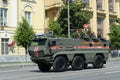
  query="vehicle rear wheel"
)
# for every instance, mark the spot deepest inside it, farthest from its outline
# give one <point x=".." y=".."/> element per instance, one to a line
<point x="44" y="67"/>
<point x="60" y="64"/>
<point x="78" y="63"/>
<point x="98" y="62"/>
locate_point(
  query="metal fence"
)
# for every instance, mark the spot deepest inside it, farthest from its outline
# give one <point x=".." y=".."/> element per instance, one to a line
<point x="115" y="54"/>
<point x="26" y="58"/>
<point x="12" y="54"/>
<point x="14" y="58"/>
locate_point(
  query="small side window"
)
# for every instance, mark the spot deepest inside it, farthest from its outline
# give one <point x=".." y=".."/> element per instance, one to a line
<point x="52" y="43"/>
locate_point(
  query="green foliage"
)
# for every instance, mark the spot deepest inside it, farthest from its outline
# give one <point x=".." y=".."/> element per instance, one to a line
<point x="78" y="16"/>
<point x="118" y="20"/>
<point x="88" y="31"/>
<point x="24" y="34"/>
<point x="115" y="34"/>
<point x="55" y="27"/>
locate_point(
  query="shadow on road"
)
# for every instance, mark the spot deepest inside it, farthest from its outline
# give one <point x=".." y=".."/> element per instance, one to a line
<point x="69" y="69"/>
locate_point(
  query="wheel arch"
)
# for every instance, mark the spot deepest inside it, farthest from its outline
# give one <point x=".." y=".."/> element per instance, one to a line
<point x="100" y="54"/>
<point x="63" y="55"/>
<point x="81" y="54"/>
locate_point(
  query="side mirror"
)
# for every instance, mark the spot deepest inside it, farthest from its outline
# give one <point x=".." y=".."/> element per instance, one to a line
<point x="50" y="33"/>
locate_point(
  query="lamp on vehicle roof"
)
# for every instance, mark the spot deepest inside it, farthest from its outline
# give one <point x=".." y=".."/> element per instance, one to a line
<point x="50" y="33"/>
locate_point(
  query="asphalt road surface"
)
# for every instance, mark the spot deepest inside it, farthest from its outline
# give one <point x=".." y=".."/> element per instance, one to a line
<point x="111" y="71"/>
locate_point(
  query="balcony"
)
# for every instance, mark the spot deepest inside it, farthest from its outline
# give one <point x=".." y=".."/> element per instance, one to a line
<point x="113" y="14"/>
<point x="31" y="1"/>
<point x="52" y="3"/>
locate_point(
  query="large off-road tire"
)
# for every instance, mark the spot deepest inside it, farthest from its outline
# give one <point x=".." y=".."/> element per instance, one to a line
<point x="98" y="62"/>
<point x="78" y="63"/>
<point x="60" y="64"/>
<point x="44" y="67"/>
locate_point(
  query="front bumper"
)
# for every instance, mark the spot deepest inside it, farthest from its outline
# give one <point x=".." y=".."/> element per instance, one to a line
<point x="45" y="59"/>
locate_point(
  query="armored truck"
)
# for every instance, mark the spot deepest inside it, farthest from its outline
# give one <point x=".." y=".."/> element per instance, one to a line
<point x="60" y="53"/>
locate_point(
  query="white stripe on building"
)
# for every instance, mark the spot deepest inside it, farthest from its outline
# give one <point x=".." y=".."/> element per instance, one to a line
<point x="13" y="13"/>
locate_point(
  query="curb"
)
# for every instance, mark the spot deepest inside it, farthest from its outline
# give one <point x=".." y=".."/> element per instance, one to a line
<point x="15" y="64"/>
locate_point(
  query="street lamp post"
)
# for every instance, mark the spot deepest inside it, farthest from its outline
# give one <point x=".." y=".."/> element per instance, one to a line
<point x="44" y="16"/>
<point x="68" y="18"/>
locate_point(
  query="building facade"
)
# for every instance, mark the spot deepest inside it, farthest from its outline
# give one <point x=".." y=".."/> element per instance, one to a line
<point x="52" y="10"/>
<point x="11" y="12"/>
<point x="104" y="13"/>
<point x="39" y="12"/>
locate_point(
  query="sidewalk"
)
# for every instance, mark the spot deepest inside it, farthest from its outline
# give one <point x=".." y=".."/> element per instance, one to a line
<point x="16" y="64"/>
<point x="116" y="58"/>
<point x="113" y="59"/>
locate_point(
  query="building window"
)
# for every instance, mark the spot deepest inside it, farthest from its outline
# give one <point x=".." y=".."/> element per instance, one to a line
<point x="3" y="17"/>
<point x="111" y="21"/>
<point x="99" y="4"/>
<point x="4" y="45"/>
<point x="4" y="2"/>
<point x="28" y="16"/>
<point x="111" y="5"/>
<point x="86" y="2"/>
<point x="100" y="25"/>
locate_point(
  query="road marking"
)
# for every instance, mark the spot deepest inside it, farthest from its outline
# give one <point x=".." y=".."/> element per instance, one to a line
<point x="113" y="67"/>
<point x="112" y="72"/>
<point x="16" y="70"/>
<point x="10" y="78"/>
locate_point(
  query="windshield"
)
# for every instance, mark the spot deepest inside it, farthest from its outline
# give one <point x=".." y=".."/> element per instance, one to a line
<point x="38" y="42"/>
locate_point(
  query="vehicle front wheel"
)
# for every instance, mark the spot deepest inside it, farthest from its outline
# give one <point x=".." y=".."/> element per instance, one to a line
<point x="44" y="67"/>
<point x="98" y="62"/>
<point x="60" y="64"/>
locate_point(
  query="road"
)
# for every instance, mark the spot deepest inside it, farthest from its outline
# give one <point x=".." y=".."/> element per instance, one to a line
<point x="111" y="71"/>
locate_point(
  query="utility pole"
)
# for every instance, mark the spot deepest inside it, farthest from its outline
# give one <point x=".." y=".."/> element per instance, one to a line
<point x="68" y="18"/>
<point x="44" y="15"/>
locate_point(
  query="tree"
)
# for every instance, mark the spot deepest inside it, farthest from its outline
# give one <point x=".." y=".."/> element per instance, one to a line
<point x="78" y="16"/>
<point x="115" y="34"/>
<point x="55" y="27"/>
<point x="24" y="34"/>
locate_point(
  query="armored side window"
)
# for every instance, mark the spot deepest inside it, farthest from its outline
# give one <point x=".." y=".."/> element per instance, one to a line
<point x="52" y="43"/>
<point x="34" y="44"/>
<point x="40" y="42"/>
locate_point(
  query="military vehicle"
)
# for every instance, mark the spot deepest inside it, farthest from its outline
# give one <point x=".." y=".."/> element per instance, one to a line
<point x="60" y="53"/>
